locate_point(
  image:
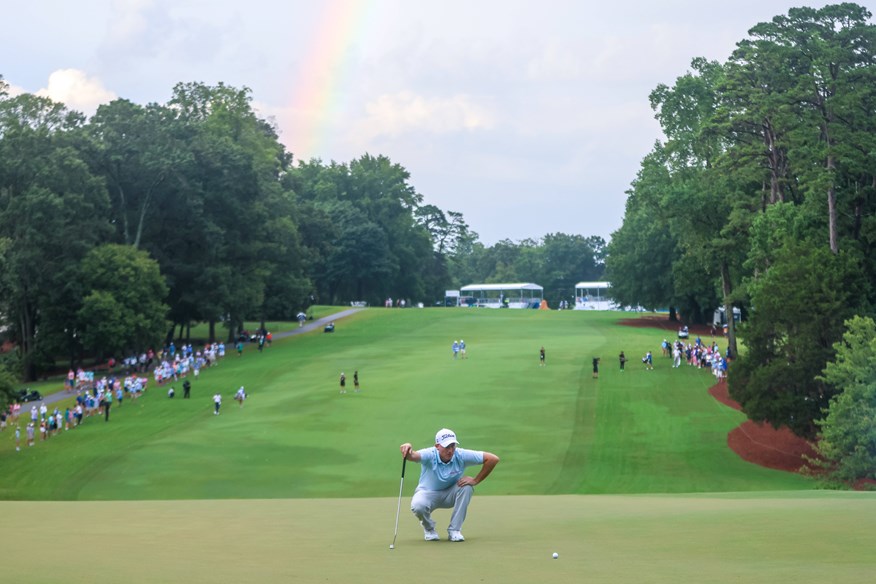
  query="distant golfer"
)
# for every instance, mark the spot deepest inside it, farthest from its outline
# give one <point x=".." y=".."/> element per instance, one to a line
<point x="356" y="381"/>
<point x="343" y="382"/>
<point x="442" y="482"/>
<point x="217" y="403"/>
<point x="596" y="368"/>
<point x="541" y="357"/>
<point x="623" y="360"/>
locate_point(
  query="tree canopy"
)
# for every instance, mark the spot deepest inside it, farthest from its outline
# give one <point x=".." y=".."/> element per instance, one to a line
<point x="761" y="195"/>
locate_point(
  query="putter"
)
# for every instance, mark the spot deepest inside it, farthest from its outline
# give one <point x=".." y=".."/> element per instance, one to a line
<point x="398" y="509"/>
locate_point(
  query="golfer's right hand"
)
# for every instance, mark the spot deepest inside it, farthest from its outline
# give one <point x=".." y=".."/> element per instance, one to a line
<point x="406" y="449"/>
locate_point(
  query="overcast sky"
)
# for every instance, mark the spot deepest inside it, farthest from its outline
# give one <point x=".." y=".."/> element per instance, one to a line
<point x="527" y="117"/>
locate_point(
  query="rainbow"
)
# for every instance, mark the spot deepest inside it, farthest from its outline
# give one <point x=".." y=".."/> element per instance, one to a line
<point x="318" y="92"/>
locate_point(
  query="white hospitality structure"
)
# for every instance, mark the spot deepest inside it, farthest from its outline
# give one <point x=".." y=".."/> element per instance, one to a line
<point x="521" y="295"/>
<point x="594" y="296"/>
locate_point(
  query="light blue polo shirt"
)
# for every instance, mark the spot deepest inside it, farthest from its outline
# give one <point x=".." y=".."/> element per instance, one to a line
<point x="437" y="476"/>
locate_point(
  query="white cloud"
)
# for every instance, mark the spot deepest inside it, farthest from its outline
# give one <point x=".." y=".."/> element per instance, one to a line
<point x="404" y="112"/>
<point x="77" y="90"/>
<point x="127" y="21"/>
<point x="555" y="62"/>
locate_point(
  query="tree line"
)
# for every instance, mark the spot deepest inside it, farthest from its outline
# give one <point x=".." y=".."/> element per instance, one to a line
<point x="119" y="231"/>
<point x="761" y="195"/>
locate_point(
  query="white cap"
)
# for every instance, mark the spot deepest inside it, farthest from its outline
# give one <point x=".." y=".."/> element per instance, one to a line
<point x="445" y="437"/>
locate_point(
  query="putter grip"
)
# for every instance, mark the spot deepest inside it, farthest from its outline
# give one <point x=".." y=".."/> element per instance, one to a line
<point x="404" y="462"/>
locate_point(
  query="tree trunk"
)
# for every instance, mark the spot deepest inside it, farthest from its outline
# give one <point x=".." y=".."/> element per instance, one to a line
<point x="673" y="316"/>
<point x="28" y="344"/>
<point x="831" y="208"/>
<point x="169" y="336"/>
<point x="123" y="205"/>
<point x="212" y="334"/>
<point x="728" y="308"/>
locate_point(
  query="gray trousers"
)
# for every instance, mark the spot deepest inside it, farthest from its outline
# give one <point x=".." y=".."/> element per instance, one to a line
<point x="456" y="497"/>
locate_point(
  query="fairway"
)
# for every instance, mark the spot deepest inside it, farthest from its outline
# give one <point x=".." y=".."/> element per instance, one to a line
<point x="624" y="476"/>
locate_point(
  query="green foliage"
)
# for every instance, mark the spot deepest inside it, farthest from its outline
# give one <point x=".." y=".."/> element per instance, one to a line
<point x="847" y="442"/>
<point x="123" y="309"/>
<point x="8" y="387"/>
<point x="800" y="304"/>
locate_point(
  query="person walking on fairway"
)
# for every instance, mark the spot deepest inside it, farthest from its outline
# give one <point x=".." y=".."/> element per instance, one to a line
<point x="541" y="357"/>
<point x="356" y="381"/>
<point x="217" y="403"/>
<point x="648" y="360"/>
<point x="596" y="368"/>
<point x="343" y="382"/>
<point x="443" y="484"/>
<point x="623" y="359"/>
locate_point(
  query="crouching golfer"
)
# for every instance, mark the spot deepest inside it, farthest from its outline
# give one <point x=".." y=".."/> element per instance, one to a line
<point x="442" y="483"/>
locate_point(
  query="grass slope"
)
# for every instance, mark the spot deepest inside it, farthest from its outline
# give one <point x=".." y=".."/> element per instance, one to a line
<point x="557" y="430"/>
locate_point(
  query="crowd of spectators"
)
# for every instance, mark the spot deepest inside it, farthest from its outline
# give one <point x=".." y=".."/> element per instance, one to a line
<point x="127" y="381"/>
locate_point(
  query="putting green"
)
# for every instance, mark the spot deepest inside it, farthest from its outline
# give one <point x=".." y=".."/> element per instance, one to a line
<point x="801" y="537"/>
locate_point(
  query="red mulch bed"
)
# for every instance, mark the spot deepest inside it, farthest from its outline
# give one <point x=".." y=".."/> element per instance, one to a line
<point x="761" y="443"/>
<point x="663" y="323"/>
<point x="757" y="443"/>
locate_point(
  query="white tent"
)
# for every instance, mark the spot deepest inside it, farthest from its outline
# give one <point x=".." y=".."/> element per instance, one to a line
<point x="519" y="295"/>
<point x="594" y="296"/>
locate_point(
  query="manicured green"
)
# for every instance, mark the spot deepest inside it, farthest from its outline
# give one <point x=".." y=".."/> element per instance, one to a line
<point x="557" y="430"/>
<point x="800" y="537"/>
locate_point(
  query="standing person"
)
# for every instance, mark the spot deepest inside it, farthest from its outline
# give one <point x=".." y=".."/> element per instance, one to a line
<point x="596" y="368"/>
<point x="240" y="396"/>
<point x="541" y="357"/>
<point x="30" y="433"/>
<point x="187" y="389"/>
<point x="217" y="403"/>
<point x="455" y="348"/>
<point x="461" y="349"/>
<point x="356" y="381"/>
<point x="442" y="482"/>
<point x="343" y="382"/>
<point x="239" y="348"/>
<point x="107" y="402"/>
<point x="623" y="359"/>
<point x="18" y="438"/>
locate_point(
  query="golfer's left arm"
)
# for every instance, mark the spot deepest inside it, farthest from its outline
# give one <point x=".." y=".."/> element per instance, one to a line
<point x="490" y="462"/>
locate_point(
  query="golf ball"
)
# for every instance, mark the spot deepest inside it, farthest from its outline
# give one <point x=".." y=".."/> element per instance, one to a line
<point x="392" y="547"/>
<point x="556" y="555"/>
